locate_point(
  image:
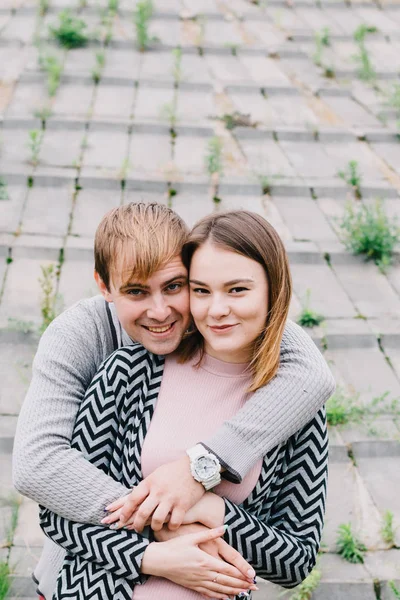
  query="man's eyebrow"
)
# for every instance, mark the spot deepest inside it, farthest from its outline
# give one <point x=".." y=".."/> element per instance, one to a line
<point x="142" y="286"/>
<point x="232" y="282"/>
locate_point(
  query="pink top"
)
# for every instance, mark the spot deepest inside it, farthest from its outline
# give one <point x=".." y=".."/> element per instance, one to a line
<point x="192" y="404"/>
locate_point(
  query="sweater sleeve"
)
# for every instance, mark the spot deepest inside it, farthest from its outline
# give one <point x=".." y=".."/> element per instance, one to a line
<point x="45" y="467"/>
<point x="283" y="547"/>
<point x="118" y="552"/>
<point x="276" y="411"/>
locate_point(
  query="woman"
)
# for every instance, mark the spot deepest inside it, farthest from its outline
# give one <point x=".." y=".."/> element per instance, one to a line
<point x="240" y="292"/>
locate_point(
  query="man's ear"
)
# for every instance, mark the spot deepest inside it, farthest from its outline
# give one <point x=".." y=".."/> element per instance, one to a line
<point x="102" y="287"/>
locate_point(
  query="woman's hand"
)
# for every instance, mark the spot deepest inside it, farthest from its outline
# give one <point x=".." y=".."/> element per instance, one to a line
<point x="217" y="548"/>
<point x="209" y="510"/>
<point x="182" y="561"/>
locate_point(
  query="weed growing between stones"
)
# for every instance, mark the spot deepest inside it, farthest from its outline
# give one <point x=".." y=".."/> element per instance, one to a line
<point x="342" y="409"/>
<point x="388" y="530"/>
<point x="113" y="5"/>
<point x="392" y="586"/>
<point x="393" y="100"/>
<point x="97" y="70"/>
<point x="5" y="581"/>
<point x="365" y="70"/>
<point x="349" y="546"/>
<point x="367" y="230"/>
<point x="141" y="17"/>
<point x="305" y="590"/>
<point x="70" y="32"/>
<point x="34" y="143"/>
<point x="352" y="177"/>
<point x="48" y="303"/>
<point x="322" y="40"/>
<point x="237" y="119"/>
<point x="43" y="114"/>
<point x="21" y="325"/>
<point x="3" y="190"/>
<point x="53" y="68"/>
<point x="214" y="165"/>
<point x="177" y="72"/>
<point x="200" y="34"/>
<point x="43" y="7"/>
<point x="308" y="317"/>
<point x="14" y="503"/>
<point x="168" y="113"/>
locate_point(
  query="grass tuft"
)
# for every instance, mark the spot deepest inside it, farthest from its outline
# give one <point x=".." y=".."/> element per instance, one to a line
<point x="394" y="589"/>
<point x="305" y="590"/>
<point x="349" y="547"/>
<point x="388" y="530"/>
<point x="368" y="230"/>
<point x="141" y="17"/>
<point x="70" y="32"/>
<point x="3" y="190"/>
<point x="308" y="317"/>
<point x="5" y="581"/>
<point x="352" y="177"/>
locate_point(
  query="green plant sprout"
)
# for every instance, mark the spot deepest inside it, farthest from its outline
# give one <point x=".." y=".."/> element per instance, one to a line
<point x="177" y="66"/>
<point x="322" y="40"/>
<point x="394" y="589"/>
<point x="349" y="546"/>
<point x="99" y="66"/>
<point x="329" y="72"/>
<point x="308" y="317"/>
<point x="3" y="190"/>
<point x="43" y="7"/>
<point x="342" y="409"/>
<point x="42" y="113"/>
<point x="237" y="119"/>
<point x="47" y="283"/>
<point x="53" y="68"/>
<point x="168" y="113"/>
<point x="201" y="32"/>
<point x="141" y="17"/>
<point x="70" y="32"/>
<point x="5" y="580"/>
<point x="352" y="177"/>
<point x="113" y="5"/>
<point x="393" y="97"/>
<point x="34" y="143"/>
<point x="20" y="325"/>
<point x="365" y="70"/>
<point x="305" y="590"/>
<point x="388" y="530"/>
<point x="368" y="230"/>
<point x="214" y="165"/>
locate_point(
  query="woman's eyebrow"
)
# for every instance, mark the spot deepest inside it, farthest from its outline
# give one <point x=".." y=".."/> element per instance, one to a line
<point x="232" y="282"/>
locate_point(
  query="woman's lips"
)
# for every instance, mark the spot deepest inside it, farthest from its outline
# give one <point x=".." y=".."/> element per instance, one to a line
<point x="221" y="328"/>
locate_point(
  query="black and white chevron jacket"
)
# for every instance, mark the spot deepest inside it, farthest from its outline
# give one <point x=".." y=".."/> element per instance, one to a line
<point x="277" y="529"/>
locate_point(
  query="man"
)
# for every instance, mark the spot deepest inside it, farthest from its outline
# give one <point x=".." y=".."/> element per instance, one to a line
<point x="145" y="298"/>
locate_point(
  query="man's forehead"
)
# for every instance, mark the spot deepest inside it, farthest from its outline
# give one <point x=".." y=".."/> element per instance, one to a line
<point x="168" y="271"/>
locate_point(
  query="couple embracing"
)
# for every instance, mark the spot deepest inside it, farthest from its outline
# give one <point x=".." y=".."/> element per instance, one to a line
<point x="177" y="454"/>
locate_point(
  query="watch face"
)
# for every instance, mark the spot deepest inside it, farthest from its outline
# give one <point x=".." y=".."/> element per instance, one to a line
<point x="206" y="467"/>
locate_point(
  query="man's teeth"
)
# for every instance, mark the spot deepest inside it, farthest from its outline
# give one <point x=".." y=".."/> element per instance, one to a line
<point x="159" y="329"/>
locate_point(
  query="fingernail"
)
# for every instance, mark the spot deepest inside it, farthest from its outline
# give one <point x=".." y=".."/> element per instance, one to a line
<point x="251" y="573"/>
<point x="114" y="526"/>
<point x="255" y="580"/>
<point x="225" y="527"/>
<point x="105" y="509"/>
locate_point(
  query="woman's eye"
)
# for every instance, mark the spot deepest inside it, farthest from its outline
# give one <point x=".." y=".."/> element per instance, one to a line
<point x="237" y="290"/>
<point x="200" y="291"/>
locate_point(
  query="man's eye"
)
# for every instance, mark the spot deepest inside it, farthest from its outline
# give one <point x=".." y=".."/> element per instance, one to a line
<point x="173" y="287"/>
<point x="135" y="292"/>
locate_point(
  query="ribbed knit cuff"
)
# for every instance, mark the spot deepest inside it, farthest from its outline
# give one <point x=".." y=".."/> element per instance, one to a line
<point x="236" y="456"/>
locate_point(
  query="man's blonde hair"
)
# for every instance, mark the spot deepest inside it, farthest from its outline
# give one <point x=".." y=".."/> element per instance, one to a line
<point x="137" y="239"/>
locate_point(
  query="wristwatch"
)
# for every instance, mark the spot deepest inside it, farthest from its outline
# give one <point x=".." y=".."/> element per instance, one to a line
<point x="205" y="467"/>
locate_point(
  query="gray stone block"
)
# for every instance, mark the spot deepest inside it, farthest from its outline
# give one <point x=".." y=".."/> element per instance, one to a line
<point x="195" y="106"/>
<point x="90" y="207"/>
<point x="305" y="219"/>
<point x="62" y="148"/>
<point x="47" y="211"/>
<point x="28" y="533"/>
<point x="150" y="103"/>
<point x="112" y="101"/>
<point x="11" y="209"/>
<point x="76" y="281"/>
<point x="151" y="154"/>
<point x="351" y="112"/>
<point x="266" y="158"/>
<point x="227" y="69"/>
<point x="106" y="151"/>
<point x="191" y="207"/>
<point x="73" y="100"/>
<point x="309" y="159"/>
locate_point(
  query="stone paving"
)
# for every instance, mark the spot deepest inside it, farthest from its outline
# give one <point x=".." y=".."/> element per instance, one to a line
<point x="106" y="143"/>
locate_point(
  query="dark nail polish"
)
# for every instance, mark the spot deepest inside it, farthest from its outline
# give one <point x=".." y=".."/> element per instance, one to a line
<point x="255" y="580"/>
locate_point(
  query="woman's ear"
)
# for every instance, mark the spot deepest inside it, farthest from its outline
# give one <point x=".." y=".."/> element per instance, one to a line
<point x="102" y="287"/>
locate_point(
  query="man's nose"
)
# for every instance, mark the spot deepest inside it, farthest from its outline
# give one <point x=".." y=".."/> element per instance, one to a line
<point x="159" y="309"/>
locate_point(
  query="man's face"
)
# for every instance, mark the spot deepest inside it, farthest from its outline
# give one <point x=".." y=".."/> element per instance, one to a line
<point x="154" y="313"/>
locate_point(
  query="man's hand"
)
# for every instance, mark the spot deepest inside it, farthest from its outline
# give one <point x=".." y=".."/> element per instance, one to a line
<point x="164" y="496"/>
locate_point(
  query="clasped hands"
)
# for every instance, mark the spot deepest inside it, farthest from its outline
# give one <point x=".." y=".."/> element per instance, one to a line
<point x="188" y="521"/>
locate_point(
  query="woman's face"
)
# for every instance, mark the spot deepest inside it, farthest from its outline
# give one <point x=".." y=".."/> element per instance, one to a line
<point x="228" y="301"/>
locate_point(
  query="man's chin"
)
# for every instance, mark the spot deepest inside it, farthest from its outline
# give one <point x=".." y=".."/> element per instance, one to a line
<point x="164" y="345"/>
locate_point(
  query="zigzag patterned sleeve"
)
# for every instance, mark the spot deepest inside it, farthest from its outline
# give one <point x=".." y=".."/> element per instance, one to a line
<point x="283" y="548"/>
<point x="118" y="552"/>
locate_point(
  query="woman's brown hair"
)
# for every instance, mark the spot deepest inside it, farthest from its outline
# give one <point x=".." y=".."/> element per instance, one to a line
<point x="252" y="236"/>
